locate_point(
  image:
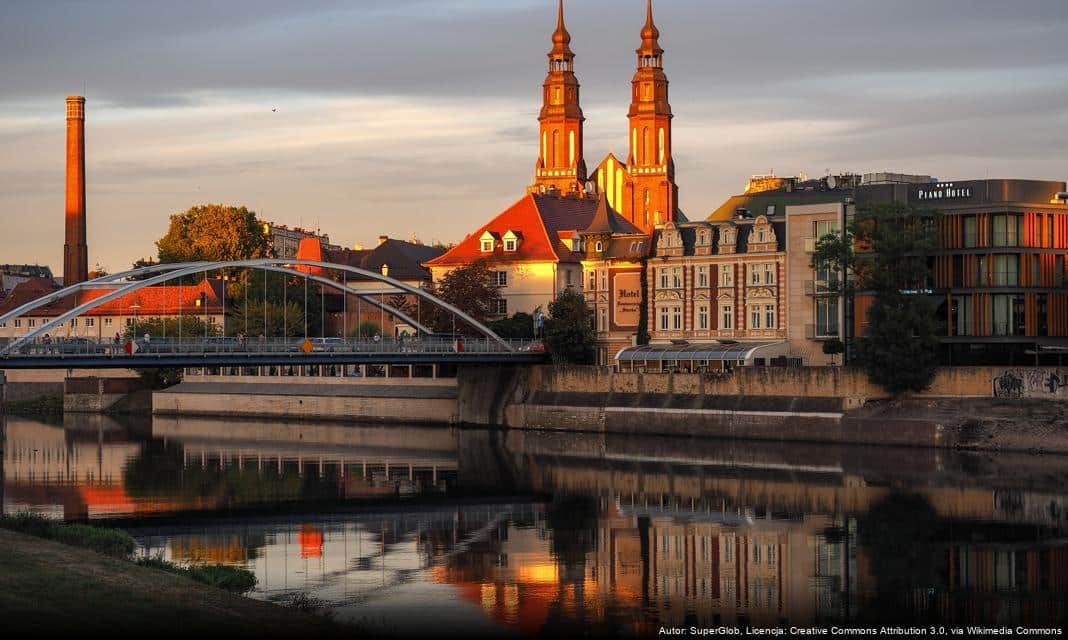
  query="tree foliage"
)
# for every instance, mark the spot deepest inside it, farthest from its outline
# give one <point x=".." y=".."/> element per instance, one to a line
<point x="884" y="253"/>
<point x="289" y="322"/>
<point x="569" y="329"/>
<point x="213" y="232"/>
<point x="471" y="288"/>
<point x="519" y="326"/>
<point x="186" y="326"/>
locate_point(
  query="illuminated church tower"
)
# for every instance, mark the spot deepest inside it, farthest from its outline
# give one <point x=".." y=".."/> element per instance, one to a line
<point x="643" y="189"/>
<point x="560" y="163"/>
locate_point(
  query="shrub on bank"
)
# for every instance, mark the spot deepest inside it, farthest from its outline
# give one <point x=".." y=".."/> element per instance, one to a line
<point x="232" y="579"/>
<point x="112" y="542"/>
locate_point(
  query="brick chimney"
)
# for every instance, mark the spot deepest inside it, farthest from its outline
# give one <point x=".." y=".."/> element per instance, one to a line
<point x="75" y="251"/>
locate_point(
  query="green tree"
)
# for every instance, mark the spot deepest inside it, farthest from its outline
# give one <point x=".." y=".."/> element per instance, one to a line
<point x="471" y="288"/>
<point x="289" y="323"/>
<point x="213" y="232"/>
<point x="366" y="329"/>
<point x="519" y="326"/>
<point x="187" y="326"/>
<point x="569" y="328"/>
<point x="884" y="253"/>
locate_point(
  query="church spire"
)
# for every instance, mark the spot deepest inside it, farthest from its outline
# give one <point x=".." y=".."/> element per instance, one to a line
<point x="560" y="166"/>
<point x="649" y="53"/>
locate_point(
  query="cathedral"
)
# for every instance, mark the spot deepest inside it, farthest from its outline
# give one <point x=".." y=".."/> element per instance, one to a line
<point x="643" y="188"/>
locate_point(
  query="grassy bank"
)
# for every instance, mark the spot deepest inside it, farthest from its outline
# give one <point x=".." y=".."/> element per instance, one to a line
<point x="55" y="588"/>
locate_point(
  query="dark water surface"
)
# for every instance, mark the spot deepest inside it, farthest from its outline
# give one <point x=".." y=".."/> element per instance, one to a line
<point x="420" y="531"/>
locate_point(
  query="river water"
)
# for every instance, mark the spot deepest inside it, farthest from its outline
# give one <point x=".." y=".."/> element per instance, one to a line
<point x="421" y="531"/>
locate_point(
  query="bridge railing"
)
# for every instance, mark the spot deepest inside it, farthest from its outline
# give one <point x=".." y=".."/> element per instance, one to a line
<point x="159" y="346"/>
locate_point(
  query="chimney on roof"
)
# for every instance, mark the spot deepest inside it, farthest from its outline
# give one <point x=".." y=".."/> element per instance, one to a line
<point x="382" y="239"/>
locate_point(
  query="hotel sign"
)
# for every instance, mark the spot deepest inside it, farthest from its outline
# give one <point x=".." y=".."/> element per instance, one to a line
<point x="943" y="191"/>
<point x="626" y="298"/>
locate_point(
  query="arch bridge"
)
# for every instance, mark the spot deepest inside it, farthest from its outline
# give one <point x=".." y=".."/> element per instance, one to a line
<point x="34" y="350"/>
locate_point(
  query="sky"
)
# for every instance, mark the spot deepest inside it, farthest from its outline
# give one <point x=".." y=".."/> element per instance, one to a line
<point x="419" y="117"/>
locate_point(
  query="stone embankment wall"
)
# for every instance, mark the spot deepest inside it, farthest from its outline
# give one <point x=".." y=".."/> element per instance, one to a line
<point x="96" y="395"/>
<point x="416" y="400"/>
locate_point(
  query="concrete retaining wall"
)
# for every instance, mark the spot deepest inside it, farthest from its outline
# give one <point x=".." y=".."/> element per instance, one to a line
<point x="425" y="401"/>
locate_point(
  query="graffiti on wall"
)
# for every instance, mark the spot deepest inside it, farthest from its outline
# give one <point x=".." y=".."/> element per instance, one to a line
<point x="1043" y="384"/>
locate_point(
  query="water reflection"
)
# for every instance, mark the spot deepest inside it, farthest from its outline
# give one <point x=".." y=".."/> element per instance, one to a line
<point x="618" y="535"/>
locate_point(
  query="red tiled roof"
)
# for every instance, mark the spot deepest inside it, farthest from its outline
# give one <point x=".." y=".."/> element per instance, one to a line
<point x="152" y="301"/>
<point x="543" y="221"/>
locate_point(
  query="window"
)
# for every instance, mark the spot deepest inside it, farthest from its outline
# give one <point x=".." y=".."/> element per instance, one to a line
<point x="89" y="322"/>
<point x="3" y="325"/>
<point x="567" y="277"/>
<point x="676" y="318"/>
<point x="501" y="307"/>
<point x="762" y="236"/>
<point x="1006" y="271"/>
<point x="726" y="275"/>
<point x="965" y="320"/>
<point x="509" y="244"/>
<point x="769" y="316"/>
<point x="593" y="280"/>
<point x="107" y="322"/>
<point x="663" y="319"/>
<point x="18" y="322"/>
<point x="1006" y="232"/>
<point x="598" y="247"/>
<point x="754" y="274"/>
<point x="823" y="228"/>
<point x="602" y="319"/>
<point x="826" y="317"/>
<point x="756" y="554"/>
<point x="604" y="280"/>
<point x="702" y="317"/>
<point x="771" y="554"/>
<point x="32" y="322"/>
<point x="1002" y="315"/>
<point x="726" y="311"/>
<point x="754" y="316"/>
<point x="663" y="278"/>
<point x="969" y="232"/>
<point x="676" y="278"/>
<point x="74" y="322"/>
<point x="487" y="246"/>
<point x="129" y="322"/>
<point x="502" y="278"/>
<point x="702" y="276"/>
<point x="769" y="273"/>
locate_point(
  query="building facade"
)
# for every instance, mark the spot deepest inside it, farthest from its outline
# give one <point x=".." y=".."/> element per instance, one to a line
<point x="999" y="276"/>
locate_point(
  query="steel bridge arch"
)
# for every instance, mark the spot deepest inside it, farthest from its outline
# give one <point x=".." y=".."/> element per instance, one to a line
<point x="174" y="271"/>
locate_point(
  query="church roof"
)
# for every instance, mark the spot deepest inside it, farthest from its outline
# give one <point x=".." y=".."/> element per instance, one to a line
<point x="607" y="221"/>
<point x="543" y="220"/>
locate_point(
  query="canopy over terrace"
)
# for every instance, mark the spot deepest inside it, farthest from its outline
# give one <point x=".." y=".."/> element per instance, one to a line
<point x="697" y="356"/>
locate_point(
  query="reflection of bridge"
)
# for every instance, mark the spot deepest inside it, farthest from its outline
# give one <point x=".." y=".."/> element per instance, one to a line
<point x="31" y="350"/>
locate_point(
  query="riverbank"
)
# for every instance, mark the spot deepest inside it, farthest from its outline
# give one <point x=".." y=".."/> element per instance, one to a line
<point x="51" y="588"/>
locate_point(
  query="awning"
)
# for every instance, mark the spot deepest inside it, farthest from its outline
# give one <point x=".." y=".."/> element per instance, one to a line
<point x="692" y="352"/>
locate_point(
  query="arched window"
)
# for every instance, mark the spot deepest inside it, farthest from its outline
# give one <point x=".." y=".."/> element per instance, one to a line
<point x="663" y="146"/>
<point x="556" y="148"/>
<point x="598" y="247"/>
<point x="634" y="142"/>
<point x="545" y="148"/>
<point x="571" y="149"/>
<point x="647" y="148"/>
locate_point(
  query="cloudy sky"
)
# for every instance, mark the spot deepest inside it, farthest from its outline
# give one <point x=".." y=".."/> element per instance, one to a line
<point x="406" y="117"/>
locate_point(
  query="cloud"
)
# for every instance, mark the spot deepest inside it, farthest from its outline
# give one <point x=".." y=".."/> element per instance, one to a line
<point x="403" y="115"/>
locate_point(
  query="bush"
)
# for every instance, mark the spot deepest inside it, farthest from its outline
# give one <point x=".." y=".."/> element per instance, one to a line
<point x="112" y="542"/>
<point x="232" y="579"/>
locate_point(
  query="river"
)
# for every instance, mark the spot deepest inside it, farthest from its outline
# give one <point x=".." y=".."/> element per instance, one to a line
<point x="412" y="530"/>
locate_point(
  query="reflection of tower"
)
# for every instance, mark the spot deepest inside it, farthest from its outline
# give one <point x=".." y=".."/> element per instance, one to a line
<point x="75" y="251"/>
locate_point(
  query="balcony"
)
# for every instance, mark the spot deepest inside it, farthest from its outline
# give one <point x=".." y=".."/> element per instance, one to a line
<point x="813" y="332"/>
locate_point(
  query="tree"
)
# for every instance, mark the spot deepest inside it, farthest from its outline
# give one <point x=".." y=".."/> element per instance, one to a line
<point x="519" y="326"/>
<point x="569" y="329"/>
<point x="289" y="323"/>
<point x="187" y="326"/>
<point x="471" y="288"/>
<point x="366" y="329"/>
<point x="213" y="232"/>
<point x="833" y="347"/>
<point x="884" y="252"/>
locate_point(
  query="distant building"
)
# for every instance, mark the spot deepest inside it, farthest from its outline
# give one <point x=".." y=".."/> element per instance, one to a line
<point x="203" y="300"/>
<point x="286" y="242"/>
<point x="397" y="259"/>
<point x="532" y="247"/>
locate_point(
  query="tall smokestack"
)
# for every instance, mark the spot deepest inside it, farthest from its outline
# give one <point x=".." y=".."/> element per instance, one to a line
<point x="75" y="251"/>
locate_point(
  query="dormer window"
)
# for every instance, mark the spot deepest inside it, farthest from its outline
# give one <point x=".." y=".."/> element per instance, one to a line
<point x="511" y="241"/>
<point x="488" y="242"/>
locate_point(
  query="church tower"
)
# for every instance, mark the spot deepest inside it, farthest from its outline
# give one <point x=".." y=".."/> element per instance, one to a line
<point x="560" y="163"/>
<point x="649" y="163"/>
